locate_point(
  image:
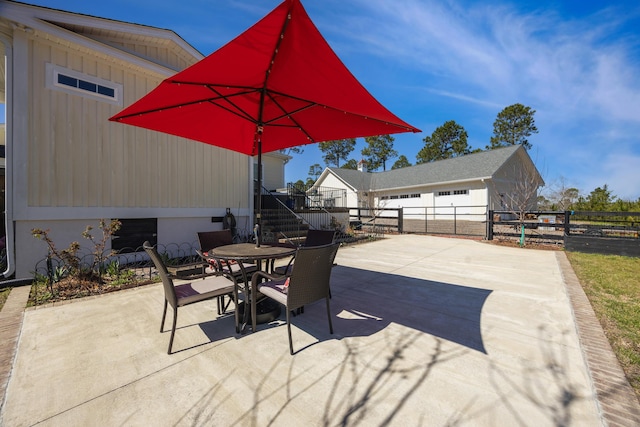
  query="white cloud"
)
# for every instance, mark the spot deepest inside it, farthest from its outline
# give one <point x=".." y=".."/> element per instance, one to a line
<point x="580" y="74"/>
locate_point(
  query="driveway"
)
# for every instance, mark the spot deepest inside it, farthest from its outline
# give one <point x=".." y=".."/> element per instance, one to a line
<point x="429" y="331"/>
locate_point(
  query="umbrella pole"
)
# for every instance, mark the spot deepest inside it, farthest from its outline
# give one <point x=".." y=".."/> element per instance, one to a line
<point x="257" y="230"/>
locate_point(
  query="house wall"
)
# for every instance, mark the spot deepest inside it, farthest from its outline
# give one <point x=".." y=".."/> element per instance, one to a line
<point x="163" y="52"/>
<point x="331" y="181"/>
<point x="77" y="158"/>
<point x="273" y="172"/>
<point x="72" y="166"/>
<point x="514" y="186"/>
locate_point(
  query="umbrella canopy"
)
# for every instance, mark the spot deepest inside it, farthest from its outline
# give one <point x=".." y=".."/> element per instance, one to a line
<point x="277" y="85"/>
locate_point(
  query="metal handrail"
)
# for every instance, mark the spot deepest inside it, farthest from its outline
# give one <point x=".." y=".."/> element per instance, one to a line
<point x="285" y="211"/>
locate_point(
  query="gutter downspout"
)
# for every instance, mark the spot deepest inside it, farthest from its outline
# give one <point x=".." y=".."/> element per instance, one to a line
<point x="8" y="78"/>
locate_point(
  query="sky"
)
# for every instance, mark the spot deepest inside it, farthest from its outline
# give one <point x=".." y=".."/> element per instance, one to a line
<point x="575" y="62"/>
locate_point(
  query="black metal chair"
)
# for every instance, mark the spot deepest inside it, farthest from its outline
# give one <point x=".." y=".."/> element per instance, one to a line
<point x="314" y="238"/>
<point x="189" y="293"/>
<point x="212" y="239"/>
<point x="308" y="282"/>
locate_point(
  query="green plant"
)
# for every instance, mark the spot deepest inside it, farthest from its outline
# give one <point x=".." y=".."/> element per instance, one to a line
<point x="118" y="275"/>
<point x="99" y="255"/>
<point x="59" y="273"/>
<point x="112" y="269"/>
<point x="69" y="259"/>
<point x="67" y="256"/>
<point x="41" y="290"/>
<point x="124" y="277"/>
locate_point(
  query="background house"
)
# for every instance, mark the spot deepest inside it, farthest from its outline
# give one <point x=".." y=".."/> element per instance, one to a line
<point x="468" y="185"/>
<point x="67" y="166"/>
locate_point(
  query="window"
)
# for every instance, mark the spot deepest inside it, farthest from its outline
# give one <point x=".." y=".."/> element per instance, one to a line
<point x="76" y="83"/>
<point x="404" y="196"/>
<point x="393" y="197"/>
<point x="384" y="198"/>
<point x="444" y="193"/>
<point x="415" y="196"/>
<point x="133" y="233"/>
<point x="459" y="192"/>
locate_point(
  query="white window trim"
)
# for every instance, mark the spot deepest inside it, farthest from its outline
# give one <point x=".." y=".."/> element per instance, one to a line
<point x="52" y="72"/>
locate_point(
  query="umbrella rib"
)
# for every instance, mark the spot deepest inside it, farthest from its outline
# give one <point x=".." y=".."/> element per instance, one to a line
<point x="285" y="24"/>
<point x="292" y="113"/>
<point x="234" y="109"/>
<point x="196" y="101"/>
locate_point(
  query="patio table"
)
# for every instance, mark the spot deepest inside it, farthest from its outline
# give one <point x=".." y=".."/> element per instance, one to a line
<point x="248" y="252"/>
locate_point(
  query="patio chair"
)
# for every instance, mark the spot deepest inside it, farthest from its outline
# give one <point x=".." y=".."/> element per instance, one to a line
<point x="189" y="293"/>
<point x="308" y="282"/>
<point x="314" y="238"/>
<point x="212" y="239"/>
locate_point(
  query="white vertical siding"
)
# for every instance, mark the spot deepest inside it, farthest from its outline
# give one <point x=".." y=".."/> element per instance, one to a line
<point x="273" y="172"/>
<point x="77" y="158"/>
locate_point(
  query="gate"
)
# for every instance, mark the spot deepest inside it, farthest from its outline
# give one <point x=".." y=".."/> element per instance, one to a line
<point x="582" y="231"/>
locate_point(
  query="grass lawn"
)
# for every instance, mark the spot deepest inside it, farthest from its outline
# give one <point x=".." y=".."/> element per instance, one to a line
<point x="612" y="284"/>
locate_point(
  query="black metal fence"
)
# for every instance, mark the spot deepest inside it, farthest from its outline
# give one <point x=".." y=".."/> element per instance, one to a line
<point x="584" y="231"/>
<point x="134" y="260"/>
<point x="446" y="220"/>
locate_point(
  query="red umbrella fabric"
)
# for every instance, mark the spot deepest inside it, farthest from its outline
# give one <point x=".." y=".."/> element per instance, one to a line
<point x="279" y="84"/>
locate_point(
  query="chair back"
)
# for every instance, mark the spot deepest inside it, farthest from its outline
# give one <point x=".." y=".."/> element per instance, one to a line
<point x="167" y="282"/>
<point x="212" y="239"/>
<point x="319" y="237"/>
<point x="309" y="280"/>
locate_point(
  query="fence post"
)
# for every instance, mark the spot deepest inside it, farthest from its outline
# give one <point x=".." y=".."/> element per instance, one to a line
<point x="455" y="221"/>
<point x="489" y="225"/>
<point x="400" y="220"/>
<point x="567" y="225"/>
<point x="426" y="213"/>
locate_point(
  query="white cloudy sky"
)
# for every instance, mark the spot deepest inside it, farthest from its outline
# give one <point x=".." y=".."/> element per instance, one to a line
<point x="577" y="63"/>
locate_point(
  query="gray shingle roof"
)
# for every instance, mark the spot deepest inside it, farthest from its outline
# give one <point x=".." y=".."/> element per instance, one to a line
<point x="471" y="166"/>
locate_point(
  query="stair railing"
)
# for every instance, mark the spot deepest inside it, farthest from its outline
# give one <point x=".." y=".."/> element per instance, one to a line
<point x="295" y="192"/>
<point x="284" y="212"/>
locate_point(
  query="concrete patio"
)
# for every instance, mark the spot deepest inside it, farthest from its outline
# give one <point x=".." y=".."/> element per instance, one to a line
<point x="428" y="332"/>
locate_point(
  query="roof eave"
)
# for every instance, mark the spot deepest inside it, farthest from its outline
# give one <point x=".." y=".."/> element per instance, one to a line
<point x="40" y="19"/>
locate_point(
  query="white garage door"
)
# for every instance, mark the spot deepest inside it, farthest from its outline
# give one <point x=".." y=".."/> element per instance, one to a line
<point x="460" y="199"/>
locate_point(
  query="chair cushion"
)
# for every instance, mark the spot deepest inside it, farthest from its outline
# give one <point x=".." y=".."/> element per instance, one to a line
<point x="231" y="266"/>
<point x="276" y="290"/>
<point x="214" y="262"/>
<point x="203" y="289"/>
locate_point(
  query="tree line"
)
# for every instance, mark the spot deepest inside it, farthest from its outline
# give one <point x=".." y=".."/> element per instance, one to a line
<point x="513" y="126"/>
<point x="561" y="197"/>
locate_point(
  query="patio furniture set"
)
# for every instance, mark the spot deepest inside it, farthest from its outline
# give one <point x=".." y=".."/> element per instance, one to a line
<point x="245" y="274"/>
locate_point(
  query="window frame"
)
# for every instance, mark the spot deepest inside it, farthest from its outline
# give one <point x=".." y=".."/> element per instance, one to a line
<point x="82" y="81"/>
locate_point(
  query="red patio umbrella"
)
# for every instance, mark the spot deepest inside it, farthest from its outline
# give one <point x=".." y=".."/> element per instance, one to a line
<point x="277" y="85"/>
